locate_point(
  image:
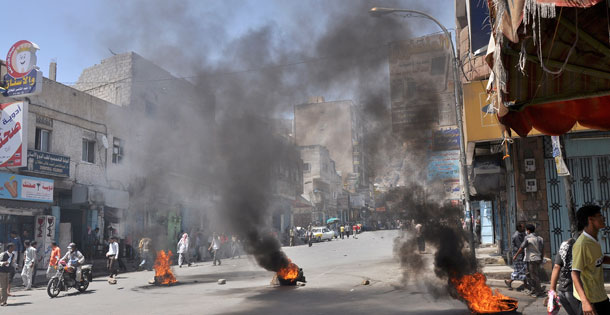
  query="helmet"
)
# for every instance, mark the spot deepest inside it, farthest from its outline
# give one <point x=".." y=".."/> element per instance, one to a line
<point x="72" y="246"/>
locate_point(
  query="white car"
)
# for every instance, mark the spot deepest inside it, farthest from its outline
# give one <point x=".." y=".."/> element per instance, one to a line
<point x="321" y="233"/>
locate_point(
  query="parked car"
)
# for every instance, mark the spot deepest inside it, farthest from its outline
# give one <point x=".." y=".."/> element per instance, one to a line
<point x="322" y="233"/>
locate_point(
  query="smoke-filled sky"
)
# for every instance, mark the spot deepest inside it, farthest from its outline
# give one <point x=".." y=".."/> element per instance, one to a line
<point x="79" y="34"/>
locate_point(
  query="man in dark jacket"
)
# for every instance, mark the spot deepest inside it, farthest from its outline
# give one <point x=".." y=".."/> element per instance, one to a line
<point x="519" y="266"/>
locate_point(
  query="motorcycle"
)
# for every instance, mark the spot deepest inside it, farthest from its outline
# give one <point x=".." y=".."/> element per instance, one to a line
<point x="65" y="279"/>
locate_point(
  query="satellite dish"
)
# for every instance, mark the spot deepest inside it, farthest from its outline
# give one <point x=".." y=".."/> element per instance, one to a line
<point x="105" y="141"/>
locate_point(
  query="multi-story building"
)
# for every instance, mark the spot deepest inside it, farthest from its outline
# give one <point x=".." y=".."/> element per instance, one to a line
<point x="321" y="184"/>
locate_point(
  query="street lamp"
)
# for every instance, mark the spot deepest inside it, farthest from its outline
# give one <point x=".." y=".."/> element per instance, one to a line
<point x="377" y="11"/>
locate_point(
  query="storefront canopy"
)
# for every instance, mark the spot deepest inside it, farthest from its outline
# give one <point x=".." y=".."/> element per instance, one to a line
<point x="553" y="71"/>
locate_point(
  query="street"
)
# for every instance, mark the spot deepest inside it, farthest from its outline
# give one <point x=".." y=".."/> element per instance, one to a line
<point x="334" y="270"/>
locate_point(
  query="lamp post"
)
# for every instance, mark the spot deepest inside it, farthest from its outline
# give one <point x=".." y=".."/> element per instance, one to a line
<point x="377" y="11"/>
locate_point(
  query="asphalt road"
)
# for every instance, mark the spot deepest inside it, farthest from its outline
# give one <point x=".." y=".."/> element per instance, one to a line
<point x="334" y="270"/>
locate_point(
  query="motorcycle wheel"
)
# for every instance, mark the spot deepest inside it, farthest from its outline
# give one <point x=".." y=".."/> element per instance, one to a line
<point x="53" y="287"/>
<point x="82" y="287"/>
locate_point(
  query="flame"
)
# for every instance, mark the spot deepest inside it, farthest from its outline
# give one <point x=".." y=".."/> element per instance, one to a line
<point x="290" y="272"/>
<point x="480" y="298"/>
<point x="163" y="271"/>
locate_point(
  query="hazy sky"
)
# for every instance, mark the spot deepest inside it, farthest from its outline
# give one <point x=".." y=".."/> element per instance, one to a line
<point x="78" y="34"/>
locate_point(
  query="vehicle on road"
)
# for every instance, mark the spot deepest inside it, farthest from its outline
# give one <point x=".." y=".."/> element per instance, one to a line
<point x="322" y="233"/>
<point x="65" y="279"/>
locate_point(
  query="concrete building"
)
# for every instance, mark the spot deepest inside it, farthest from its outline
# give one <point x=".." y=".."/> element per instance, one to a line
<point x="175" y="123"/>
<point x="70" y="143"/>
<point x="322" y="184"/>
<point x="338" y="126"/>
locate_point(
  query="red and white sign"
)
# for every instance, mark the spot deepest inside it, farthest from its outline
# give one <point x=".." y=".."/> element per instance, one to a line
<point x="21" y="58"/>
<point x="13" y="134"/>
<point x="36" y="189"/>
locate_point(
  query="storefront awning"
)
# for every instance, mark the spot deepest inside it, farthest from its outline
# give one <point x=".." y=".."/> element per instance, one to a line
<point x="555" y="74"/>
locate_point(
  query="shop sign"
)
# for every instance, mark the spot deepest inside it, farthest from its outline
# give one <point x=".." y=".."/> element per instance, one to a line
<point x="23" y="77"/>
<point x="444" y="165"/>
<point x="17" y="187"/>
<point x="48" y="163"/>
<point x="13" y="134"/>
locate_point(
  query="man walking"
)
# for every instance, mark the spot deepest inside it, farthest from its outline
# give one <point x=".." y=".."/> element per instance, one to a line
<point x="587" y="260"/>
<point x="183" y="250"/>
<point x="112" y="255"/>
<point x="215" y="247"/>
<point x="534" y="249"/>
<point x="53" y="260"/>
<point x="519" y="266"/>
<point x="8" y="263"/>
<point x="341" y="231"/>
<point x="29" y="261"/>
<point x="421" y="242"/>
<point x="16" y="240"/>
<point x="561" y="278"/>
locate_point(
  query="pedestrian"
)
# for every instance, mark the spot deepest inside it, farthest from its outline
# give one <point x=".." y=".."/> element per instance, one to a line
<point x="144" y="248"/>
<point x="8" y="263"/>
<point x="183" y="250"/>
<point x="534" y="255"/>
<point x="29" y="260"/>
<point x="587" y="260"/>
<point x="341" y="231"/>
<point x="112" y="257"/>
<point x="561" y="278"/>
<point x="519" y="266"/>
<point x="215" y="248"/>
<point x="421" y="242"/>
<point x="347" y="229"/>
<point x="355" y="229"/>
<point x="235" y="247"/>
<point x="291" y="233"/>
<point x="53" y="260"/>
<point x="34" y="244"/>
<point x="16" y="240"/>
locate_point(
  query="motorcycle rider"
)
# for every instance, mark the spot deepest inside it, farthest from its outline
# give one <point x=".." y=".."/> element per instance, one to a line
<point x="74" y="258"/>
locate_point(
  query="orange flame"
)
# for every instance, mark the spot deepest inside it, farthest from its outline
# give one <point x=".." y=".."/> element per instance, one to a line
<point x="480" y="298"/>
<point x="163" y="271"/>
<point x="290" y="272"/>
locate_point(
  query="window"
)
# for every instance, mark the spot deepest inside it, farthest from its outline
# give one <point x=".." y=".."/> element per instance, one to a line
<point x="88" y="151"/>
<point x="43" y="140"/>
<point x="117" y="150"/>
<point x="306" y="167"/>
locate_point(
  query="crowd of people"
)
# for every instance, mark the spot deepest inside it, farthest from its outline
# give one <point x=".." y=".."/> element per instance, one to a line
<point x="577" y="281"/>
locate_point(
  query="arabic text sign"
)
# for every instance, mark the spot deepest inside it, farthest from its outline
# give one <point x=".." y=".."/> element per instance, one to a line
<point x="48" y="163"/>
<point x="13" y="134"/>
<point x="444" y="165"/>
<point x="28" y="188"/>
<point x="23" y="77"/>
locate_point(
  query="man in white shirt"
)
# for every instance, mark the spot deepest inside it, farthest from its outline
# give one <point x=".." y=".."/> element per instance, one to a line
<point x="215" y="247"/>
<point x="113" y="256"/>
<point x="28" y="265"/>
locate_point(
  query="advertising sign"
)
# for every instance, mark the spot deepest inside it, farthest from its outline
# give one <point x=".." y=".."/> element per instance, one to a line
<point x="44" y="234"/>
<point x="17" y="187"/>
<point x="444" y="165"/>
<point x="23" y="77"/>
<point x="13" y="134"/>
<point x="48" y="163"/>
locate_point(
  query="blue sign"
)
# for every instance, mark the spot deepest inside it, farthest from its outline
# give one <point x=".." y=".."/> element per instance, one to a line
<point x="444" y="165"/>
<point x="27" y="85"/>
<point x="17" y="187"/>
<point x="48" y="163"/>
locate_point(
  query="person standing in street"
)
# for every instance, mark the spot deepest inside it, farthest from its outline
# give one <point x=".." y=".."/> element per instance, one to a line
<point x="355" y="230"/>
<point x="183" y="250"/>
<point x="587" y="260"/>
<point x="16" y="240"/>
<point x="112" y="255"/>
<point x="291" y="236"/>
<point x="421" y="242"/>
<point x="53" y="260"/>
<point x="519" y="266"/>
<point x="534" y="255"/>
<point x="215" y="247"/>
<point x="8" y="263"/>
<point x="341" y="231"/>
<point x="29" y="260"/>
<point x="145" y="256"/>
<point x="561" y="278"/>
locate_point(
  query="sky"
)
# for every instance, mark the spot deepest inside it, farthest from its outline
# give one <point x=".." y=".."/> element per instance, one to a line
<point x="78" y="34"/>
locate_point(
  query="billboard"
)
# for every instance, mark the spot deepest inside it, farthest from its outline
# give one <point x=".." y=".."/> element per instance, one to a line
<point x="17" y="187"/>
<point x="48" y="163"/>
<point x="13" y="134"/>
<point x="23" y="77"/>
<point x="421" y="84"/>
